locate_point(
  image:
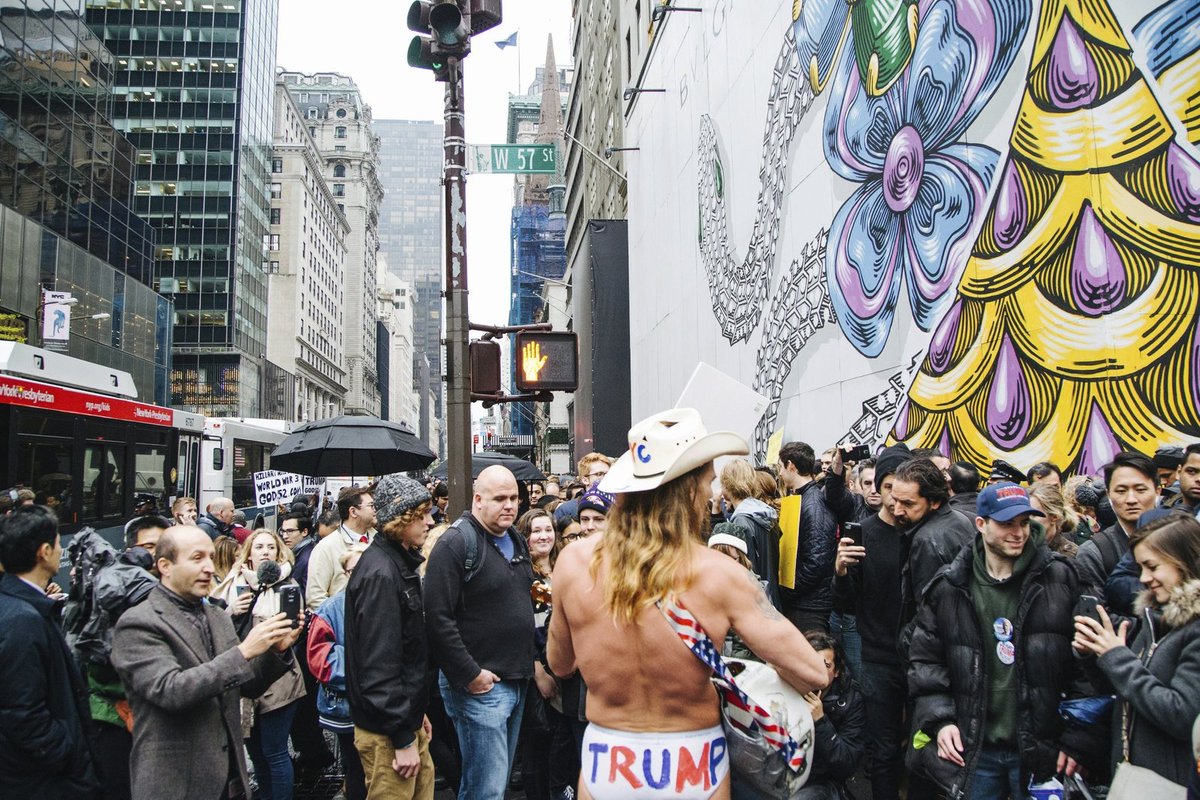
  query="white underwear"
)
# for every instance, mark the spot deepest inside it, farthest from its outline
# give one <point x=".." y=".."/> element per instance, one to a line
<point x="686" y="765"/>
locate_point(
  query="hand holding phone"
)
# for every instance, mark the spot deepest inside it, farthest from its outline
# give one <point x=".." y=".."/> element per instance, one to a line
<point x="289" y="603"/>
<point x="859" y="452"/>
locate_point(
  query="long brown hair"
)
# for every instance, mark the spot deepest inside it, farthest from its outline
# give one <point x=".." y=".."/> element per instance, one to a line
<point x="1176" y="539"/>
<point x="648" y="544"/>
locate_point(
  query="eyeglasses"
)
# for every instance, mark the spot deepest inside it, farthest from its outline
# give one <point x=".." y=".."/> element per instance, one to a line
<point x="289" y="530"/>
<point x="574" y="537"/>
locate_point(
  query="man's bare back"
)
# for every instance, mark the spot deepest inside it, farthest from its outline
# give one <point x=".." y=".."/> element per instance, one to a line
<point x="640" y="677"/>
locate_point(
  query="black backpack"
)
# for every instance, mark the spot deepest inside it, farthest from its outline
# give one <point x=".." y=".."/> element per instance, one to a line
<point x="473" y="560"/>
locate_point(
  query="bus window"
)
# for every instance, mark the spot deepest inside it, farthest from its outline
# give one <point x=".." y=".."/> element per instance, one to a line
<point x="103" y="485"/>
<point x="150" y="463"/>
<point x="45" y="467"/>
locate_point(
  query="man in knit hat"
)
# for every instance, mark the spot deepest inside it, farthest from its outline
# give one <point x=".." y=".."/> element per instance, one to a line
<point x="388" y="678"/>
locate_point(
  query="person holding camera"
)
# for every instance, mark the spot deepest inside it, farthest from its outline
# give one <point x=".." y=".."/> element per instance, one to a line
<point x="184" y="671"/>
<point x="260" y="586"/>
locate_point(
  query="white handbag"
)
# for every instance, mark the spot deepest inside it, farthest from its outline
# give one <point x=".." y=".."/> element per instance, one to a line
<point x="1138" y="783"/>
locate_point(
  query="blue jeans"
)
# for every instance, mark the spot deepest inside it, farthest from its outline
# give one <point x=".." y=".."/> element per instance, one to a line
<point x="268" y="746"/>
<point x="487" y="727"/>
<point x="844" y="628"/>
<point x="997" y="776"/>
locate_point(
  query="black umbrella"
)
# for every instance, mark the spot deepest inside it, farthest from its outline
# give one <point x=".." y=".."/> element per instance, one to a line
<point x="521" y="469"/>
<point x="351" y="446"/>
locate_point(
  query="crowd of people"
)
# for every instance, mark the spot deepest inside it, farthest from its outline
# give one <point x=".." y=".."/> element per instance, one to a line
<point x="954" y="633"/>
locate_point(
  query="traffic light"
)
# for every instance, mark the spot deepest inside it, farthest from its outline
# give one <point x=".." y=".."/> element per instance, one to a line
<point x="547" y="361"/>
<point x="485" y="15"/>
<point x="485" y="367"/>
<point x="444" y="21"/>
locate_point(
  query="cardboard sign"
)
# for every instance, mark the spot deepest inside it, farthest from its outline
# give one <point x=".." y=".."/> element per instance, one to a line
<point x="724" y="403"/>
<point x="272" y="487"/>
<point x="789" y="543"/>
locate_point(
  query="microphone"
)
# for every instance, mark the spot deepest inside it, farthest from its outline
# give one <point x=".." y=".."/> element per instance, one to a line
<point x="267" y="573"/>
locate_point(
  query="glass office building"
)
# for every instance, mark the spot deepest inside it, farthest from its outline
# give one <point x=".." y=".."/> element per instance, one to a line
<point x="66" y="182"/>
<point x="192" y="86"/>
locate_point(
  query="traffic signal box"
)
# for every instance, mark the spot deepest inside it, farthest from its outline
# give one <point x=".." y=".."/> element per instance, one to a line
<point x="546" y="361"/>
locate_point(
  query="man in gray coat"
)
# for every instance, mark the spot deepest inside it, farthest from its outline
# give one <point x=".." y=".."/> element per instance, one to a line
<point x="184" y="672"/>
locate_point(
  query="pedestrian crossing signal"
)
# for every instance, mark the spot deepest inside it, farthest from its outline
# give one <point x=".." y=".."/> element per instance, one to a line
<point x="546" y="361"/>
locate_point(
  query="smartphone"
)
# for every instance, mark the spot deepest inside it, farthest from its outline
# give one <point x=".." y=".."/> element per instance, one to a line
<point x="289" y="603"/>
<point x="1085" y="606"/>
<point x="853" y="531"/>
<point x="859" y="452"/>
<point x="243" y="589"/>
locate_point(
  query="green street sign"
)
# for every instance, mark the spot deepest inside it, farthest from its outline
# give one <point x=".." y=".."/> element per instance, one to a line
<point x="518" y="159"/>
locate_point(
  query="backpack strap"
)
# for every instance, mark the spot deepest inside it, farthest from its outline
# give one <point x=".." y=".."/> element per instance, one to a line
<point x="1109" y="553"/>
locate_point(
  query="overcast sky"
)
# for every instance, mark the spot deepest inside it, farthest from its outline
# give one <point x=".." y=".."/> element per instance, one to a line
<point x="368" y="40"/>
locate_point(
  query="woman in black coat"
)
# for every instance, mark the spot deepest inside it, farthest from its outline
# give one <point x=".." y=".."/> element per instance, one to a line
<point x="840" y="726"/>
<point x="1157" y="677"/>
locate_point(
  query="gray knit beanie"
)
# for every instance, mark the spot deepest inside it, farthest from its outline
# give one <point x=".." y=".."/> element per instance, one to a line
<point x="394" y="494"/>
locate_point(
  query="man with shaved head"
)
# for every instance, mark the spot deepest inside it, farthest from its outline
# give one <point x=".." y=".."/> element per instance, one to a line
<point x="185" y="673"/>
<point x="217" y="519"/>
<point x="480" y="623"/>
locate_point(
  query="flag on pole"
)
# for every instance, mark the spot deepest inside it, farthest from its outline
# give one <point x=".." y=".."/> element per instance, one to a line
<point x="511" y="41"/>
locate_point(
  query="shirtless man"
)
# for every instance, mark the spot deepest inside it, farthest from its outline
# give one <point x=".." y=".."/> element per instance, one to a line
<point x="655" y="723"/>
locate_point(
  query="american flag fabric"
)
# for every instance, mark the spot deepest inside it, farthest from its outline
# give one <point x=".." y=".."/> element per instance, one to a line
<point x="740" y="710"/>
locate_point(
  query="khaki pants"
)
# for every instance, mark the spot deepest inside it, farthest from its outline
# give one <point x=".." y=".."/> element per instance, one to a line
<point x="376" y="753"/>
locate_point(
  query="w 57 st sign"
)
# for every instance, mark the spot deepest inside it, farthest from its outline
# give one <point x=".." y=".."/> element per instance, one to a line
<point x="518" y="159"/>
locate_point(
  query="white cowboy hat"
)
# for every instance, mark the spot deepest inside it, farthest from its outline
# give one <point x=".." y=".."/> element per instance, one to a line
<point x="665" y="446"/>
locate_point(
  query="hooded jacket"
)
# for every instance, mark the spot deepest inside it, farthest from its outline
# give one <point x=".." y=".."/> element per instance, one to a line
<point x="947" y="676"/>
<point x="213" y="526"/>
<point x="815" y="552"/>
<point x="1158" y="676"/>
<point x="760" y="524"/>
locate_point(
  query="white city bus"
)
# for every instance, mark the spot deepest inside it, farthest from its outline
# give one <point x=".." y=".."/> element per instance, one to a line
<point x="232" y="451"/>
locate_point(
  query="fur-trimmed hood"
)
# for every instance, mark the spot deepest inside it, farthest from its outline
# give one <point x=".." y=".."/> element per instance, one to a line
<point x="1182" y="607"/>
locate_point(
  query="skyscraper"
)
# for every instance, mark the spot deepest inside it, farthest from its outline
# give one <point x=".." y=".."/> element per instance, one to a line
<point x="65" y="185"/>
<point x="340" y="123"/>
<point x="410" y="236"/>
<point x="193" y="91"/>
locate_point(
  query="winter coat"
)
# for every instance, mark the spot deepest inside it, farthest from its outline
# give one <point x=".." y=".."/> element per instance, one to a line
<point x="213" y="526"/>
<point x="760" y="524"/>
<point x="186" y="704"/>
<point x="327" y="662"/>
<point x="966" y="503"/>
<point x="815" y="552"/>
<point x="840" y="735"/>
<point x="302" y="553"/>
<point x="44" y="718"/>
<point x="934" y="542"/>
<point x="388" y="677"/>
<point x="1158" y="675"/>
<point x="946" y="674"/>
<point x="1099" y="556"/>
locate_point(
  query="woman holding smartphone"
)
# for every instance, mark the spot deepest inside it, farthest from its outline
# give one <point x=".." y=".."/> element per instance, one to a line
<point x="267" y="721"/>
<point x="1154" y="667"/>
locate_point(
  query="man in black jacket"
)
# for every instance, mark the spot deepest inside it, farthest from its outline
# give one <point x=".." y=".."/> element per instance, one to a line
<point x="809" y="604"/>
<point x="964" y="487"/>
<point x="1131" y="484"/>
<point x="387" y="665"/>
<point x="480" y="623"/>
<point x="991" y="657"/>
<point x="920" y="504"/>
<point x="44" y="717"/>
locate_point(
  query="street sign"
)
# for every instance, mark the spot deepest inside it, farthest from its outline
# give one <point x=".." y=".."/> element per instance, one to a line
<point x="519" y="159"/>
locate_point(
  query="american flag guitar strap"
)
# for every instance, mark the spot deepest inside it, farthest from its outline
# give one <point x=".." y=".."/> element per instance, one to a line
<point x="740" y="710"/>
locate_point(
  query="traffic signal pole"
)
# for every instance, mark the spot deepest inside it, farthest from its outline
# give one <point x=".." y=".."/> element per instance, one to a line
<point x="458" y="361"/>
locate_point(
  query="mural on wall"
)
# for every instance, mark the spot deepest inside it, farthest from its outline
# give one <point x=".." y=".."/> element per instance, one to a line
<point x="1073" y="331"/>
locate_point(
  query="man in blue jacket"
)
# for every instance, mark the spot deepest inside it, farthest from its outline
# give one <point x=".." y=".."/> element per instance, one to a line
<point x="44" y="716"/>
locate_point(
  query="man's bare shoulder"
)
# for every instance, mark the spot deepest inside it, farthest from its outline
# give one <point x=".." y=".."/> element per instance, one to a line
<point x="575" y="559"/>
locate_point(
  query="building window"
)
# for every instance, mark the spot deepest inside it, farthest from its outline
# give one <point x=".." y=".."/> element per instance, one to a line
<point x="276" y="165"/>
<point x="274" y="242"/>
<point x="312" y="132"/>
<point x="276" y="216"/>
<point x="339" y="132"/>
<point x="339" y="190"/>
<point x="312" y="112"/>
<point x="276" y="191"/>
<point x="339" y="148"/>
<point x="342" y="207"/>
<point x="339" y="170"/>
<point x="341" y="113"/>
